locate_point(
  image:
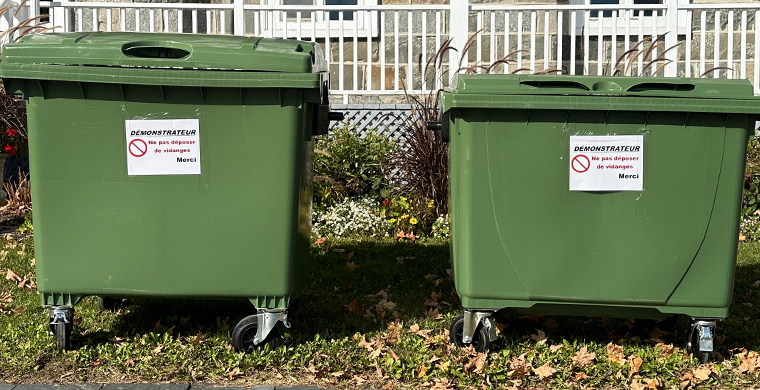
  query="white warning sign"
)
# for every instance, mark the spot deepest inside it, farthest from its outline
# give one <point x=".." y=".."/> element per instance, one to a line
<point x="163" y="147"/>
<point x="606" y="163"/>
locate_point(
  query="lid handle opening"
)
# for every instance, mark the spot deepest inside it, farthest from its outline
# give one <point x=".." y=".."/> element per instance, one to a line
<point x="170" y="50"/>
<point x="540" y="84"/>
<point x="662" y="87"/>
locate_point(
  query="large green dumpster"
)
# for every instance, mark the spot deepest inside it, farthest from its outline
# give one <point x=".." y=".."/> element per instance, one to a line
<point x="601" y="196"/>
<point x="170" y="165"/>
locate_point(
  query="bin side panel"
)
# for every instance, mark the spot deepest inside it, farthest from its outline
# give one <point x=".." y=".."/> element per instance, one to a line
<point x="520" y="231"/>
<point x="228" y="232"/>
<point x="710" y="279"/>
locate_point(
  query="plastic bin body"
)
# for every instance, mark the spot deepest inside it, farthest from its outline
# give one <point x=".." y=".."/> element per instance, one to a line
<point x="521" y="239"/>
<point x="240" y="228"/>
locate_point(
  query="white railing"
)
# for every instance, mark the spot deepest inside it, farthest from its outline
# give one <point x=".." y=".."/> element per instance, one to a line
<point x="375" y="49"/>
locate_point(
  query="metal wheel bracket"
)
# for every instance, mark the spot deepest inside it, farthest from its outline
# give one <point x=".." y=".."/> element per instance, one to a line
<point x="471" y="320"/>
<point x="267" y="320"/>
<point x="705" y="329"/>
<point x="59" y="314"/>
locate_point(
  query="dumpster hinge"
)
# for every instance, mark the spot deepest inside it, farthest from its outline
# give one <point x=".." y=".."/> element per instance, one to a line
<point x="267" y="320"/>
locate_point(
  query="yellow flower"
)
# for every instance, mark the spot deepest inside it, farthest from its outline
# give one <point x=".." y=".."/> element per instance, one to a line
<point x="404" y="216"/>
<point x="430" y="204"/>
<point x="392" y="220"/>
<point x="413" y="221"/>
<point x="402" y="198"/>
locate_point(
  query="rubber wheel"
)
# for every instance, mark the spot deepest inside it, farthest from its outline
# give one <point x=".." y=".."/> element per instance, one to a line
<point x="479" y="341"/>
<point x="245" y="332"/>
<point x="108" y="303"/>
<point x="701" y="356"/>
<point x="62" y="332"/>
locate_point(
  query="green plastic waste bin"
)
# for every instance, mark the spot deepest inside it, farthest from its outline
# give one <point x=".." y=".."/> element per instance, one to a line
<point x="170" y="165"/>
<point x="599" y="196"/>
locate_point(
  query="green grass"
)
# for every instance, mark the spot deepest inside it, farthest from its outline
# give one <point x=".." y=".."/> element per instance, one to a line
<point x="345" y="335"/>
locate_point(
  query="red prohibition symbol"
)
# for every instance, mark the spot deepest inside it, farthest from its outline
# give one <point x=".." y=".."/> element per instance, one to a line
<point x="137" y="147"/>
<point x="580" y="163"/>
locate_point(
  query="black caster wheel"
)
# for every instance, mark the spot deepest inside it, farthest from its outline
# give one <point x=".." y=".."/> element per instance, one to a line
<point x="62" y="333"/>
<point x="480" y="340"/>
<point x="108" y="303"/>
<point x="245" y="332"/>
<point x="693" y="348"/>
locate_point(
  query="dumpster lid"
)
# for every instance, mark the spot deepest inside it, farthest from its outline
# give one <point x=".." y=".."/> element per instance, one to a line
<point x="157" y="50"/>
<point x="601" y="93"/>
<point x="604" y="85"/>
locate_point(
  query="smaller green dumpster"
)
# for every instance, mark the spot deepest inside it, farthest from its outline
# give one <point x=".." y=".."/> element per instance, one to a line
<point x="595" y="196"/>
<point x="170" y="165"/>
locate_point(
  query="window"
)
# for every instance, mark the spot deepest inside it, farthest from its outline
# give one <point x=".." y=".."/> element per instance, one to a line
<point x="647" y="20"/>
<point x="365" y="22"/>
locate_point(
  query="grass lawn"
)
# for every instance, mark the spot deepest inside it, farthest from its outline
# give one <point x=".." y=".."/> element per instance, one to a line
<point x="375" y="314"/>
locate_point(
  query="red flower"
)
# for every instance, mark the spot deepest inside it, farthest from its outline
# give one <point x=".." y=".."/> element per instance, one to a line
<point x="11" y="132"/>
<point x="11" y="149"/>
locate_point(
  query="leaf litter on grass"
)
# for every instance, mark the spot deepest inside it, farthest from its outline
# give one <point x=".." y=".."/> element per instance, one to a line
<point x="409" y="349"/>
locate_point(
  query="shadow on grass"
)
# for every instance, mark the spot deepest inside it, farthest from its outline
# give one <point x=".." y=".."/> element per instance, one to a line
<point x="343" y="296"/>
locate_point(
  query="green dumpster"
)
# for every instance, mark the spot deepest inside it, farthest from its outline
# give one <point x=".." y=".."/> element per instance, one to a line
<point x="595" y="196"/>
<point x="170" y="165"/>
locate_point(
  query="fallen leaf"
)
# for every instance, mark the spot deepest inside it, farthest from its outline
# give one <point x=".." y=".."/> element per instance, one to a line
<point x="701" y="373"/>
<point x="583" y="358"/>
<point x="433" y="313"/>
<point x="338" y="250"/>
<point x="665" y="349"/>
<point x="320" y="241"/>
<point x="615" y="354"/>
<point x="540" y="337"/>
<point x="234" y="373"/>
<point x="443" y="366"/>
<point x="423" y="371"/>
<point x="351" y="266"/>
<point x="555" y="348"/>
<point x="12" y="276"/>
<point x="350" y="255"/>
<point x="358" y="379"/>
<point x="337" y="374"/>
<point x="544" y="371"/>
<point x="580" y="375"/>
<point x="477" y="363"/>
<point x="635" y="363"/>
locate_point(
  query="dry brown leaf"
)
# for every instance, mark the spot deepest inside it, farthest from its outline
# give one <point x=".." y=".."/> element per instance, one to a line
<point x="665" y="349"/>
<point x="580" y="375"/>
<point x="635" y="363"/>
<point x="12" y="276"/>
<point x="652" y="383"/>
<point x="433" y="313"/>
<point x="544" y="371"/>
<point x="615" y="354"/>
<point x="443" y="366"/>
<point x="320" y="241"/>
<point x="351" y="266"/>
<point x="393" y="354"/>
<point x="741" y="237"/>
<point x="423" y="371"/>
<point x="539" y="337"/>
<point x="234" y="373"/>
<point x="350" y="255"/>
<point x="337" y="374"/>
<point x="701" y="373"/>
<point x="583" y="358"/>
<point x="358" y="379"/>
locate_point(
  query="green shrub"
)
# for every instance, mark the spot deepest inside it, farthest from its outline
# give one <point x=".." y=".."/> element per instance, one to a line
<point x="349" y="166"/>
<point x="749" y="228"/>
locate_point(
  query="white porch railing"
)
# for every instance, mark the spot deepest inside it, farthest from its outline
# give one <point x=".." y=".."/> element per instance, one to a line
<point x="375" y="49"/>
